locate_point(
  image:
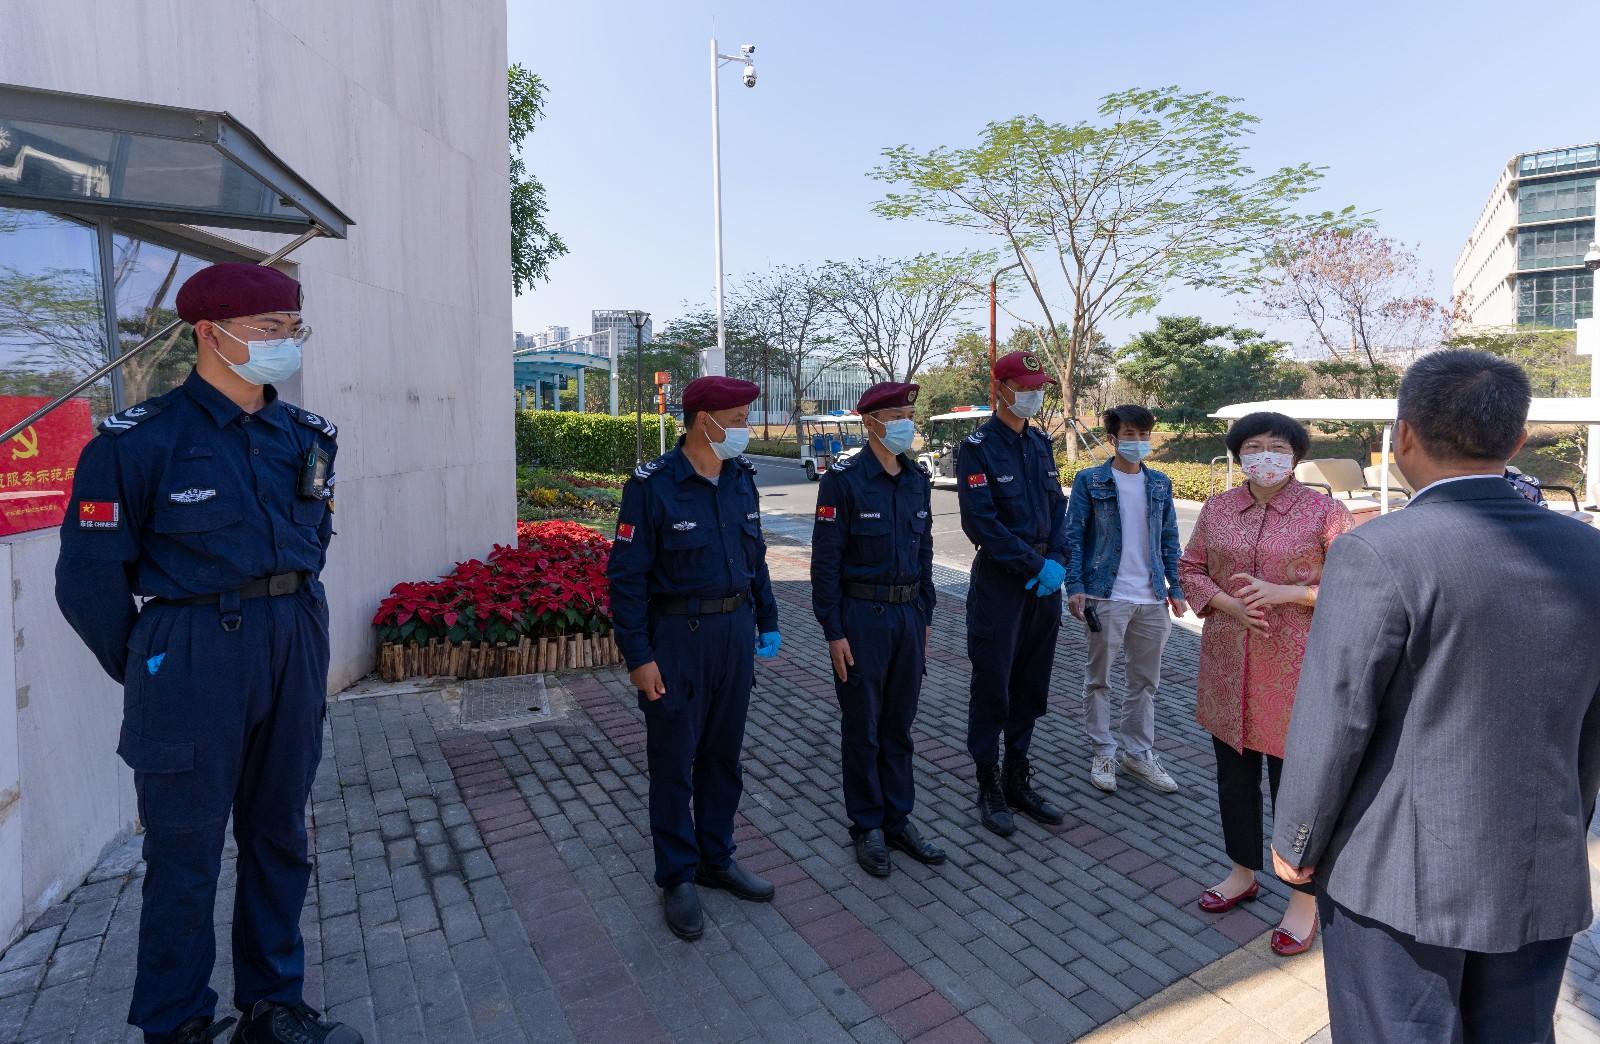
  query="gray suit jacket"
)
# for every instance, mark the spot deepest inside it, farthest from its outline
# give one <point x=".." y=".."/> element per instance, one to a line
<point x="1444" y="753"/>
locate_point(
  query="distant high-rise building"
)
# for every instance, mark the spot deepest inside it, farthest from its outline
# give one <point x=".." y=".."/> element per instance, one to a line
<point x="551" y="335"/>
<point x="620" y="319"/>
<point x="1523" y="263"/>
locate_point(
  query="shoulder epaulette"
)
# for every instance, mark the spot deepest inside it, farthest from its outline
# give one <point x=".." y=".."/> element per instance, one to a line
<point x="747" y="465"/>
<point x="131" y="417"/>
<point x="922" y="466"/>
<point x="313" y="420"/>
<point x="977" y="437"/>
<point x="843" y="465"/>
<point x="650" y="467"/>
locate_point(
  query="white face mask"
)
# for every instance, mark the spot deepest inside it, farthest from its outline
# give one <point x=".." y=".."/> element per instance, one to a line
<point x="734" y="441"/>
<point x="1027" y="403"/>
<point x="1267" y="469"/>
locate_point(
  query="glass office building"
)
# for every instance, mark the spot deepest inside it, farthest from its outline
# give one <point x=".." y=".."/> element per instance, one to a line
<point x="1555" y="225"/>
<point x="1523" y="263"/>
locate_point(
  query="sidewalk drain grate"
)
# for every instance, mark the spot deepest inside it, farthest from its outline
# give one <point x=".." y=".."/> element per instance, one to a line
<point x="491" y="704"/>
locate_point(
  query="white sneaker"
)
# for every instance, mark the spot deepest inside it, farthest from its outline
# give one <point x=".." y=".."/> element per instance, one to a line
<point x="1103" y="773"/>
<point x="1148" y="771"/>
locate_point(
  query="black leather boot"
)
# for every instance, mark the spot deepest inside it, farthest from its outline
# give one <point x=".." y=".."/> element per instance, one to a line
<point x="907" y="840"/>
<point x="271" y="1023"/>
<point x="872" y="854"/>
<point x="681" y="903"/>
<point x="737" y="880"/>
<point x="1020" y="795"/>
<point x="992" y="808"/>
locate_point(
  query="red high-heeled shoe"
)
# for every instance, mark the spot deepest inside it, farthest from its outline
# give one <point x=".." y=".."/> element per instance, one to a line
<point x="1213" y="901"/>
<point x="1287" y="944"/>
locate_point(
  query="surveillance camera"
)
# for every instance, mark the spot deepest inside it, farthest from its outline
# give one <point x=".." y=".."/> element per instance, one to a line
<point x="747" y="48"/>
<point x="749" y="76"/>
<point x="1591" y="260"/>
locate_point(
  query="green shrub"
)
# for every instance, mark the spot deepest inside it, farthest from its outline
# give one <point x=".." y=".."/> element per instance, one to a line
<point x="775" y="448"/>
<point x="584" y="442"/>
<point x="1190" y="481"/>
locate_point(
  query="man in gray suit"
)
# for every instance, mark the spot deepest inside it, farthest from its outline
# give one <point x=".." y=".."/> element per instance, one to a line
<point x="1444" y="753"/>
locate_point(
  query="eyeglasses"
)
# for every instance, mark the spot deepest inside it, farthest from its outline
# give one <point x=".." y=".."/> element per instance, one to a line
<point x="300" y="333"/>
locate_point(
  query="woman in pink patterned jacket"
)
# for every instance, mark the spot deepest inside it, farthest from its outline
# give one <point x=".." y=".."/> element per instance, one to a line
<point x="1251" y="571"/>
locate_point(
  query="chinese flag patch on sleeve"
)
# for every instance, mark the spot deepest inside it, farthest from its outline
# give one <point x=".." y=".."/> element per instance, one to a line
<point x="826" y="512"/>
<point x="99" y="514"/>
<point x="625" y="532"/>
<point x="977" y="479"/>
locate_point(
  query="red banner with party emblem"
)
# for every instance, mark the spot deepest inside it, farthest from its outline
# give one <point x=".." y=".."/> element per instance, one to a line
<point x="37" y="465"/>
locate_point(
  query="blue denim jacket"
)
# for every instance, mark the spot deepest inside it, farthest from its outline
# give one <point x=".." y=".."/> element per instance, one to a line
<point x="1094" y="533"/>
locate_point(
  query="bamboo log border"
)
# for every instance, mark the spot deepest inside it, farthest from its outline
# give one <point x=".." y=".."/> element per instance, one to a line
<point x="470" y="660"/>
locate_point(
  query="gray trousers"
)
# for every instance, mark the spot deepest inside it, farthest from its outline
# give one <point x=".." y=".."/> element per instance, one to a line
<point x="1139" y="633"/>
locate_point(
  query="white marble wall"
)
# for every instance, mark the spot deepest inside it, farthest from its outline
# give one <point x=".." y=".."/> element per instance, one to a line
<point x="396" y="111"/>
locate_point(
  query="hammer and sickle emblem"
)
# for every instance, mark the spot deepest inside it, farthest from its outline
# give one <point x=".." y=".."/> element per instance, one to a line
<point x="27" y="445"/>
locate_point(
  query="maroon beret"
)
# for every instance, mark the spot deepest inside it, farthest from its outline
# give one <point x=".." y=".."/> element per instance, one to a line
<point x="888" y="395"/>
<point x="718" y="393"/>
<point x="1022" y="367"/>
<point x="229" y="291"/>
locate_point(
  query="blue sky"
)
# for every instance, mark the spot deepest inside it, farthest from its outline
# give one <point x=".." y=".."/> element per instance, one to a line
<point x="1412" y="106"/>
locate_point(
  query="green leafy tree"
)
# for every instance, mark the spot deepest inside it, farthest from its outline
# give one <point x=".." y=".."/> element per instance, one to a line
<point x="960" y="379"/>
<point x="898" y="311"/>
<point x="1155" y="193"/>
<point x="1550" y="357"/>
<point x="533" y="246"/>
<point x="1187" y="368"/>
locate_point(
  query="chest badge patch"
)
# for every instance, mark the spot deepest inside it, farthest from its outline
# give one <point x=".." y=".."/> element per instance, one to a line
<point x="1004" y="478"/>
<point x="827" y="513"/>
<point x="752" y="516"/>
<point x="625" y="532"/>
<point x="872" y="514"/>
<point x="977" y="480"/>
<point x="99" y="514"/>
<point x="192" y="496"/>
<point x="922" y="514"/>
<point x="684" y="526"/>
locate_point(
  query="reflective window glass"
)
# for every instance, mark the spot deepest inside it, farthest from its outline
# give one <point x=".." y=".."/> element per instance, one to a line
<point x="147" y="278"/>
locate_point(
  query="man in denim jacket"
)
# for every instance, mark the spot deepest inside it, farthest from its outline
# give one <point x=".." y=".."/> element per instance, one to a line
<point x="1122" y="575"/>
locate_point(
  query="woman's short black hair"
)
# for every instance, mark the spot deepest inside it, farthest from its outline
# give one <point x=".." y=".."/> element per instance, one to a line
<point x="1253" y="424"/>
<point x="1136" y="417"/>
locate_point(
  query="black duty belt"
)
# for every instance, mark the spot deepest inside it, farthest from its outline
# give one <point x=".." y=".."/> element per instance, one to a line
<point x="894" y="594"/>
<point x="697" y="606"/>
<point x="268" y="587"/>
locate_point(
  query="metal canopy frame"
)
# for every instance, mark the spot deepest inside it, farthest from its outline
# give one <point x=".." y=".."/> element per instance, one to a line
<point x="220" y="130"/>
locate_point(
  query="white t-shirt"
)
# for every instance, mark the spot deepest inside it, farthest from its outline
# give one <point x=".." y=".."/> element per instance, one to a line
<point x="1133" y="568"/>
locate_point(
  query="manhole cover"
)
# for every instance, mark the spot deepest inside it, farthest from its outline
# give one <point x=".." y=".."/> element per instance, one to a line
<point x="491" y="704"/>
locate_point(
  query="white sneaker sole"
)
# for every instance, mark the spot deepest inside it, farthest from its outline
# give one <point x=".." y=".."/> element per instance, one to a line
<point x="1158" y="787"/>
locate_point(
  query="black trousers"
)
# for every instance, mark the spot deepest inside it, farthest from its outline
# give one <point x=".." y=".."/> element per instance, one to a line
<point x="1385" y="986"/>
<point x="1239" y="800"/>
<point x="1011" y="641"/>
<point x="878" y="704"/>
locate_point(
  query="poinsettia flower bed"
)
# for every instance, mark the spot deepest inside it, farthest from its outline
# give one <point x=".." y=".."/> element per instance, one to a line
<point x="542" y="605"/>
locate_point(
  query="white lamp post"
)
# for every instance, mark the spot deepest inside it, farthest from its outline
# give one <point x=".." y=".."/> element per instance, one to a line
<point x="715" y="361"/>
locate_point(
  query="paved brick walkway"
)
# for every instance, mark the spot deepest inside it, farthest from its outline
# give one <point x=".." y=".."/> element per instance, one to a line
<point x="496" y="887"/>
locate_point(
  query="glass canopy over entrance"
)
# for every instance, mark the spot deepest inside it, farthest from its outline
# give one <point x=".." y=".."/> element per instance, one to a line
<point x="88" y="155"/>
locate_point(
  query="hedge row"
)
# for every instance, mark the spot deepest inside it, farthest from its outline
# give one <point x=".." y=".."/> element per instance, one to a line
<point x="584" y="441"/>
<point x="1190" y="481"/>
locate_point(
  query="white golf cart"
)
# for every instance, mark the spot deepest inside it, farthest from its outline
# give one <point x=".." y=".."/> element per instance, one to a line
<point x="943" y="433"/>
<point x="826" y="438"/>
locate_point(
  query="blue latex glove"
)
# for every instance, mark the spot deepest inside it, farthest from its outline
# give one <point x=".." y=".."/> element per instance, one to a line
<point x="768" y="644"/>
<point x="1048" y="582"/>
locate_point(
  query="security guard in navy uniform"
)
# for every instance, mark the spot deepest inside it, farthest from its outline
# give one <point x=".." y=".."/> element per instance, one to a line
<point x="1013" y="510"/>
<point x="213" y="502"/>
<point x="872" y="591"/>
<point x="692" y="605"/>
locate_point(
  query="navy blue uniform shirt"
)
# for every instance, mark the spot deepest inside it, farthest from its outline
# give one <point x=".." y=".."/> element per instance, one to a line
<point x="871" y="528"/>
<point x="682" y="536"/>
<point x="186" y="495"/>
<point x="1010" y="495"/>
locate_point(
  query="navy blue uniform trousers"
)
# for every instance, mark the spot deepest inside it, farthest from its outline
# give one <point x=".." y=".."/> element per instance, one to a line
<point x="1011" y="641"/>
<point x="878" y="703"/>
<point x="694" y="735"/>
<point x="1385" y="986"/>
<point x="239" y="720"/>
